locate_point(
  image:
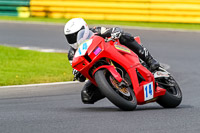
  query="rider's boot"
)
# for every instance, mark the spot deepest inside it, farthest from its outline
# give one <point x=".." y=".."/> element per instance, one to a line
<point x="148" y="59"/>
<point x="90" y="93"/>
<point x="129" y="41"/>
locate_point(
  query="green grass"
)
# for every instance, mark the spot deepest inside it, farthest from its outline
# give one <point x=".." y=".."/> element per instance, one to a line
<point x="106" y="22"/>
<point x="19" y="67"/>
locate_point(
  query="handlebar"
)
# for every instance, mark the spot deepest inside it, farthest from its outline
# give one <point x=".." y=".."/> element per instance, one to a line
<point x="109" y="39"/>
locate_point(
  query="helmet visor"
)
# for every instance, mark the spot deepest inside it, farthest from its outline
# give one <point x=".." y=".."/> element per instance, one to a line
<point x="72" y="38"/>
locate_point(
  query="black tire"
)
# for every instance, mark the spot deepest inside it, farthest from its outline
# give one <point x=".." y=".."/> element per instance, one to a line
<point x="107" y="89"/>
<point x="171" y="99"/>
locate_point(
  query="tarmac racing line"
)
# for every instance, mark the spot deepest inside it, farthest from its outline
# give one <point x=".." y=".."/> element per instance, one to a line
<point x="38" y="90"/>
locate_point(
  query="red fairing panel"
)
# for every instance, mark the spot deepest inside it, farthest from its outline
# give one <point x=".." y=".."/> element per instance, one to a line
<point x="96" y="48"/>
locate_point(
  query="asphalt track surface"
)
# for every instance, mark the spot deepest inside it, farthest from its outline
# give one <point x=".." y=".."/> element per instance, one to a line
<point x="58" y="108"/>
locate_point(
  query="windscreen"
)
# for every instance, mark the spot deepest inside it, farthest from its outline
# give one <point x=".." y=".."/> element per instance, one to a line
<point x="81" y="34"/>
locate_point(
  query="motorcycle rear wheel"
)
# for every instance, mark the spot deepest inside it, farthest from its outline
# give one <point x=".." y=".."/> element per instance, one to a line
<point x="172" y="97"/>
<point x="125" y="102"/>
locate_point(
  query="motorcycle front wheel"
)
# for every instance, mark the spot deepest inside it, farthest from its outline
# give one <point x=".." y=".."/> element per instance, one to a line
<point x="122" y="97"/>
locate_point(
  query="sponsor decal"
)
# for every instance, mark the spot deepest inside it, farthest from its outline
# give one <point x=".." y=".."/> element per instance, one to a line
<point x="122" y="48"/>
<point x="97" y="50"/>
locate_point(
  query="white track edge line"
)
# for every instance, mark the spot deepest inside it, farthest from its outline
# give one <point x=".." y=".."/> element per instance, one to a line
<point x="166" y="66"/>
<point x="42" y="84"/>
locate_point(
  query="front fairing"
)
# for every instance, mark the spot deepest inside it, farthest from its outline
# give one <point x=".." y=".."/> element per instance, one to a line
<point x="86" y="48"/>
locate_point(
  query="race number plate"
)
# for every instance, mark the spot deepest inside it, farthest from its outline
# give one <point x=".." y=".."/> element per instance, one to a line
<point x="82" y="49"/>
<point x="148" y="91"/>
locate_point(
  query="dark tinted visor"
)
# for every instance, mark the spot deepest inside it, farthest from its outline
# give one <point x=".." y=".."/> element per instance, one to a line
<point x="72" y="38"/>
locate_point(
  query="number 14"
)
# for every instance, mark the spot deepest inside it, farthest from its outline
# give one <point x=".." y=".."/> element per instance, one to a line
<point x="148" y="91"/>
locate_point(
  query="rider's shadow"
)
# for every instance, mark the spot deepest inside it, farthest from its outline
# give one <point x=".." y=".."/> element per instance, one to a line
<point x="115" y="109"/>
<point x="158" y="107"/>
<point x="139" y="108"/>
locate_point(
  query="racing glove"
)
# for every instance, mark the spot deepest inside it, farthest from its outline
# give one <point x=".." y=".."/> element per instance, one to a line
<point x="78" y="76"/>
<point x="116" y="33"/>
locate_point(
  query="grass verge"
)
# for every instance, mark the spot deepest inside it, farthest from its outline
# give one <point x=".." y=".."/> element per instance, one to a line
<point x="107" y="22"/>
<point x="28" y="67"/>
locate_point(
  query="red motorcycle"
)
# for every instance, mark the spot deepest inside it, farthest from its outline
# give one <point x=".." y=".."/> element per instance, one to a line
<point x="122" y="77"/>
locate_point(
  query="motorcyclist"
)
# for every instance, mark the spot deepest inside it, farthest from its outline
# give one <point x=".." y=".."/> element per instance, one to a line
<point x="90" y="93"/>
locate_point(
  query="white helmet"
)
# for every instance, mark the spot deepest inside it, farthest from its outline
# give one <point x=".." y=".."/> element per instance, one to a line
<point x="71" y="29"/>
